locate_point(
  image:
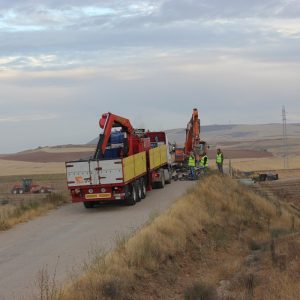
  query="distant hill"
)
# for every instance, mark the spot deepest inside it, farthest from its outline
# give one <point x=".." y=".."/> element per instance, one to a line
<point x="239" y="141"/>
<point x="238" y="132"/>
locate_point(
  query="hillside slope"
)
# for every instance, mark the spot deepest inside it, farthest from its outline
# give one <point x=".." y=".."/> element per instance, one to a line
<point x="223" y="133"/>
<point x="219" y="241"/>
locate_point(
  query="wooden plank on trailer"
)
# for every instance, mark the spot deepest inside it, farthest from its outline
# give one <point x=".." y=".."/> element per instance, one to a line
<point x="134" y="166"/>
<point x="151" y="158"/>
<point x="128" y="168"/>
<point x="140" y="165"/>
<point x="163" y="154"/>
<point x="158" y="156"/>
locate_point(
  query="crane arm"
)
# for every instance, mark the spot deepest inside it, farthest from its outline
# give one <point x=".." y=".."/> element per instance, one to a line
<point x="107" y="122"/>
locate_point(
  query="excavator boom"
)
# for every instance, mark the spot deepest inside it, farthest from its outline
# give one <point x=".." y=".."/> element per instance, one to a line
<point x="192" y="133"/>
<point x="192" y="141"/>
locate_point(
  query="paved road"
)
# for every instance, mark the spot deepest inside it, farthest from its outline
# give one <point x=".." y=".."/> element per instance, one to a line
<point x="67" y="236"/>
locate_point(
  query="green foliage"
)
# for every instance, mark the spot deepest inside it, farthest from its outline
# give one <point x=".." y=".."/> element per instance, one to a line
<point x="200" y="291"/>
<point x="277" y="232"/>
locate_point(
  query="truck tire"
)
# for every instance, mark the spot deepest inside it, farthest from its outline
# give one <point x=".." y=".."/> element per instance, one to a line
<point x="21" y="191"/>
<point x="170" y="178"/>
<point x="161" y="184"/>
<point x="132" y="196"/>
<point x="139" y="191"/>
<point x="88" y="204"/>
<point x="144" y="188"/>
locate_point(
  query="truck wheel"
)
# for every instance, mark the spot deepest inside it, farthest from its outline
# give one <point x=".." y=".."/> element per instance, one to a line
<point x="170" y="178"/>
<point x="88" y="204"/>
<point x="132" y="197"/>
<point x="42" y="191"/>
<point x="138" y="191"/>
<point x="21" y="191"/>
<point x="161" y="184"/>
<point x="144" y="189"/>
<point x="14" y="192"/>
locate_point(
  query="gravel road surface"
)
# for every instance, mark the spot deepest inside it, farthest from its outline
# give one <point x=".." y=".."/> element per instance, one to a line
<point x="66" y="237"/>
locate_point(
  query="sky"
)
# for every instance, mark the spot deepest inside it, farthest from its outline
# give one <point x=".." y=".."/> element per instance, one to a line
<point x="64" y="63"/>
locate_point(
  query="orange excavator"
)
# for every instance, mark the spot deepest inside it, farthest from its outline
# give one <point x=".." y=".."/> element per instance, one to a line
<point x="193" y="143"/>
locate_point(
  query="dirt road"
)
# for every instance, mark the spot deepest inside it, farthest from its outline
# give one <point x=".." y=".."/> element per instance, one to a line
<point x="68" y="236"/>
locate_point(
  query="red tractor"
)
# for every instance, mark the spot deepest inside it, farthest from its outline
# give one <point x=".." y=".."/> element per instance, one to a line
<point x="28" y="187"/>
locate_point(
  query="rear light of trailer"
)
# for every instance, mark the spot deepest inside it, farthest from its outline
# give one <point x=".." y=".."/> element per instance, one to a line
<point x="156" y="175"/>
<point x="119" y="196"/>
<point x="75" y="192"/>
<point x="118" y="192"/>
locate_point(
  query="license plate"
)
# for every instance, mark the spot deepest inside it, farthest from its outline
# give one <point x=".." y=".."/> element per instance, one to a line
<point x="98" y="196"/>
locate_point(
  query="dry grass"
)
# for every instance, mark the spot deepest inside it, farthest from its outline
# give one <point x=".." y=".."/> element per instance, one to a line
<point x="222" y="214"/>
<point x="13" y="214"/>
<point x="10" y="168"/>
<point x="272" y="163"/>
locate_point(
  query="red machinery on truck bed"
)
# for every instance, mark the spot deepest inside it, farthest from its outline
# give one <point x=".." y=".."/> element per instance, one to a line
<point x="127" y="163"/>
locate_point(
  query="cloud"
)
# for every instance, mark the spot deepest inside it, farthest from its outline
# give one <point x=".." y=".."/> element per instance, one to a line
<point x="28" y="118"/>
<point x="149" y="60"/>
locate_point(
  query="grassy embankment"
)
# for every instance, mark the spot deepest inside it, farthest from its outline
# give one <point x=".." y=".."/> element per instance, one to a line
<point x="12" y="214"/>
<point x="219" y="241"/>
<point x="21" y="208"/>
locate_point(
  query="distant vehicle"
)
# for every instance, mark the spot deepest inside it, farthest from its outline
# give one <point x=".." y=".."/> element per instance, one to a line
<point x="259" y="177"/>
<point x="27" y="186"/>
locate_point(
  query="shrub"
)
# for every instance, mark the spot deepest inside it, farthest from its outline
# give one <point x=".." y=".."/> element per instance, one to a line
<point x="200" y="291"/>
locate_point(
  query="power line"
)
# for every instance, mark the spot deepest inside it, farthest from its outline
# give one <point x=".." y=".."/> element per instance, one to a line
<point x="285" y="140"/>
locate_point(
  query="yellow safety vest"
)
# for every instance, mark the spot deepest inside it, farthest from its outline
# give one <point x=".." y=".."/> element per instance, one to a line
<point x="192" y="161"/>
<point x="219" y="159"/>
<point x="202" y="164"/>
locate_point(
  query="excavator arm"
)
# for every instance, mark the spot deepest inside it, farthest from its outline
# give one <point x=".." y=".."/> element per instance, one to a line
<point x="107" y="122"/>
<point x="192" y="133"/>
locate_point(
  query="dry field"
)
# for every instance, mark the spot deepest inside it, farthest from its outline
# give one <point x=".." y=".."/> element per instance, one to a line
<point x="70" y="149"/>
<point x="11" y="168"/>
<point x="47" y="157"/>
<point x="272" y="148"/>
<point x="48" y="160"/>
<point x="258" y="164"/>
<point x="219" y="241"/>
<point x="21" y="208"/>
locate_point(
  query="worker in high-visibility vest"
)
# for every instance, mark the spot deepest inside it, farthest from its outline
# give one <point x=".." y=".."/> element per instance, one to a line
<point x="219" y="160"/>
<point x="204" y="161"/>
<point x="192" y="165"/>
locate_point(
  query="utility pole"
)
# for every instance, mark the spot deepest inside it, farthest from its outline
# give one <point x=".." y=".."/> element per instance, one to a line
<point x="285" y="140"/>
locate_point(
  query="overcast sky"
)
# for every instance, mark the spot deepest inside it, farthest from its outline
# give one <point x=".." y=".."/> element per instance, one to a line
<point x="63" y="63"/>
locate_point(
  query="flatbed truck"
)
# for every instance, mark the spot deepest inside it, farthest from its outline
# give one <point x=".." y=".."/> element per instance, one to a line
<point x="126" y="165"/>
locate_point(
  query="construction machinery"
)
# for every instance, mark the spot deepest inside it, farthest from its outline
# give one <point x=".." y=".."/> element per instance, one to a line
<point x="126" y="164"/>
<point x="193" y="143"/>
<point x="259" y="177"/>
<point x="27" y="186"/>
